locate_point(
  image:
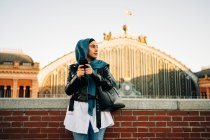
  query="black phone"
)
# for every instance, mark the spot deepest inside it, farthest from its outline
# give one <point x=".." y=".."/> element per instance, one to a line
<point x="83" y="62"/>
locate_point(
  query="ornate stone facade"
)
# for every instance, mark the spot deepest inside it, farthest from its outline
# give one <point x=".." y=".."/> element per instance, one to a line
<point x="53" y="77"/>
<point x="18" y="75"/>
<point x="150" y="72"/>
<point x="204" y="82"/>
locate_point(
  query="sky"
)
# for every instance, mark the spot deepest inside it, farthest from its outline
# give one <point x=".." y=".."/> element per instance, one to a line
<point x="48" y="29"/>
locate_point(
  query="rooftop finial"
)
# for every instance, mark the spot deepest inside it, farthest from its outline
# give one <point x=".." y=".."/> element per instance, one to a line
<point x="128" y="14"/>
<point x="125" y="28"/>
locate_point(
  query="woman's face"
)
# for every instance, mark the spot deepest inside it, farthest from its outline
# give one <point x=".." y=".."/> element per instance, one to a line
<point x="93" y="50"/>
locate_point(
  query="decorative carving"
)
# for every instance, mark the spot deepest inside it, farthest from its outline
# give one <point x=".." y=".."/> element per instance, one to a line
<point x="127" y="89"/>
<point x="108" y="36"/>
<point x="142" y="39"/>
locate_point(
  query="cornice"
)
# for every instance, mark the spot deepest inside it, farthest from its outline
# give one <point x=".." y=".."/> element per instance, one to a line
<point x="8" y="71"/>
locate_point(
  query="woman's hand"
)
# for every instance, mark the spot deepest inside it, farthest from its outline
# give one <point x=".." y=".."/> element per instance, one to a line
<point x="89" y="69"/>
<point x="80" y="71"/>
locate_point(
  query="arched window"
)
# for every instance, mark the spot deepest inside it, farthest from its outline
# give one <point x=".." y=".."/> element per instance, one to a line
<point x="1" y="91"/>
<point x="21" y="92"/>
<point x="27" y="92"/>
<point x="8" y="91"/>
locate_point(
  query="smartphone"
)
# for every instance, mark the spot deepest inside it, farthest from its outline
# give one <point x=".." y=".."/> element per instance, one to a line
<point x="83" y="62"/>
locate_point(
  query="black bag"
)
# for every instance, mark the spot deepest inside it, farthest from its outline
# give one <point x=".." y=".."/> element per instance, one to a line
<point x="109" y="100"/>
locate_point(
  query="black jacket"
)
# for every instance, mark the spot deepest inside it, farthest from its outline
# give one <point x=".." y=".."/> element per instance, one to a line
<point x="78" y="88"/>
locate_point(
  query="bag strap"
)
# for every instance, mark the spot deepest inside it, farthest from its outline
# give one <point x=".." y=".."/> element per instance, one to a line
<point x="98" y="113"/>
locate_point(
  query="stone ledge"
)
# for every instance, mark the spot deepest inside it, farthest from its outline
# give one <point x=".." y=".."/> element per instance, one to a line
<point x="131" y="103"/>
<point x="192" y="104"/>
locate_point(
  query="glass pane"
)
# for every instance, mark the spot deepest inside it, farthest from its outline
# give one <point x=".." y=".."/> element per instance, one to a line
<point x="1" y="91"/>
<point x="8" y="91"/>
<point x="27" y="92"/>
<point x="21" y="91"/>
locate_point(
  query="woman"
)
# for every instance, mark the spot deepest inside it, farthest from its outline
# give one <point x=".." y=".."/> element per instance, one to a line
<point x="83" y="116"/>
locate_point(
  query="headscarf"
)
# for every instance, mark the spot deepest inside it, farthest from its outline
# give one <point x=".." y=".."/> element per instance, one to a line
<point x="81" y="51"/>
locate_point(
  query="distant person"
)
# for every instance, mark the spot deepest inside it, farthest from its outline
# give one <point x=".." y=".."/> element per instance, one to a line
<point x="83" y="116"/>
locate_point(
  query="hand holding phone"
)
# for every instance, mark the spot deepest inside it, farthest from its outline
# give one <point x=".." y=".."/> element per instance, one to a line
<point x="84" y="68"/>
<point x="83" y="62"/>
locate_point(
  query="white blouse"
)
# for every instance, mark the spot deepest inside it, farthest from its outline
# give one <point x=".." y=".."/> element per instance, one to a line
<point x="79" y="119"/>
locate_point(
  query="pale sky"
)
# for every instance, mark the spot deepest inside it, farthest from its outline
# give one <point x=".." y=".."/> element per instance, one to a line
<point x="49" y="29"/>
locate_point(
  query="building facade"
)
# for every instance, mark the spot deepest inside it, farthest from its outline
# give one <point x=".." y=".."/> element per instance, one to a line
<point x="204" y="82"/>
<point x="140" y="70"/>
<point x="18" y="75"/>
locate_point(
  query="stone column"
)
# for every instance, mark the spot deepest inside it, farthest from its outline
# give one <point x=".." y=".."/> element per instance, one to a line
<point x="35" y="89"/>
<point x="5" y="89"/>
<point x="15" y="89"/>
<point x="51" y="83"/>
<point x="24" y="91"/>
<point x="57" y="82"/>
<point x="207" y="92"/>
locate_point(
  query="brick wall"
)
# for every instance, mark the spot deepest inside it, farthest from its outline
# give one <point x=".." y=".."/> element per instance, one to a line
<point x="132" y="124"/>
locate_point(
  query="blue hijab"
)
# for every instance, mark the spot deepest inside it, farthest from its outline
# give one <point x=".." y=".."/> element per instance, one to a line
<point x="81" y="51"/>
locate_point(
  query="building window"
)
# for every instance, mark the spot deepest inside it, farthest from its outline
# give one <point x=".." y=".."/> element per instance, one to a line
<point x="204" y="95"/>
<point x="27" y="92"/>
<point x="26" y="64"/>
<point x="8" y="91"/>
<point x="6" y="94"/>
<point x="8" y="63"/>
<point x="24" y="92"/>
<point x="1" y="91"/>
<point x="21" y="91"/>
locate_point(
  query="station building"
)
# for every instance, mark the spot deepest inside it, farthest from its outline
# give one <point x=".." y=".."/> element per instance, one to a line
<point x="18" y="75"/>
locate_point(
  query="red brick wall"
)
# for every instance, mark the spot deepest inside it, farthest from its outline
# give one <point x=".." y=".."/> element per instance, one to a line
<point x="129" y="124"/>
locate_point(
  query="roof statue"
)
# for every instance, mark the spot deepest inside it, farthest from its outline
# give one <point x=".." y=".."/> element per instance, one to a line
<point x="108" y="36"/>
<point x="142" y="39"/>
<point x="125" y="28"/>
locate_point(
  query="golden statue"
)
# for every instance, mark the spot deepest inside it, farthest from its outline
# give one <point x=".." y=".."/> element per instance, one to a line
<point x="107" y="36"/>
<point x="125" y="28"/>
<point x="142" y="39"/>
